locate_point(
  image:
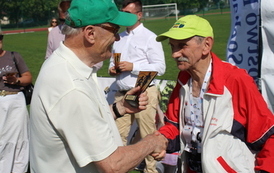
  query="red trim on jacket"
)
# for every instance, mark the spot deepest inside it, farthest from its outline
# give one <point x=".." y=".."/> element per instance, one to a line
<point x="225" y="165"/>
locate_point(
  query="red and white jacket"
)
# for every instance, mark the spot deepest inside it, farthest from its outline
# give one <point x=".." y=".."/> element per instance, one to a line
<point x="238" y="131"/>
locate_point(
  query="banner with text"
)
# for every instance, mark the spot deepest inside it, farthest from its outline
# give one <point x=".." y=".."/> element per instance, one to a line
<point x="243" y="43"/>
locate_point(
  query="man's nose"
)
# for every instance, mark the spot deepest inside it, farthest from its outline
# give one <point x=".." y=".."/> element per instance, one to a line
<point x="176" y="54"/>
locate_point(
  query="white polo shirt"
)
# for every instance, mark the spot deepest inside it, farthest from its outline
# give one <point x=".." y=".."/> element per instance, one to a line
<point x="71" y="122"/>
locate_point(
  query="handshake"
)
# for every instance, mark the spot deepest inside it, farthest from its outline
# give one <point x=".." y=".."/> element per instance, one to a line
<point x="159" y="144"/>
<point x="160" y="148"/>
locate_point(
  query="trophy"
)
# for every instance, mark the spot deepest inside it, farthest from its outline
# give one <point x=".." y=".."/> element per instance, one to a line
<point x="143" y="80"/>
<point x="117" y="57"/>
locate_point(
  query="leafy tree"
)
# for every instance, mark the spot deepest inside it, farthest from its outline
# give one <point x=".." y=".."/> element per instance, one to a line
<point x="185" y="6"/>
<point x="39" y="10"/>
<point x="217" y="3"/>
<point x="11" y="9"/>
<point x="42" y="10"/>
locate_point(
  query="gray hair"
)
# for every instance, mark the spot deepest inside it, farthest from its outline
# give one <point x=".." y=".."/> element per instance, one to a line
<point x="199" y="39"/>
<point x="68" y="30"/>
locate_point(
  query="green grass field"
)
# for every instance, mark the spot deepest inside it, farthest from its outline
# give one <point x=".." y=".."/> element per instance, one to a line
<point x="32" y="46"/>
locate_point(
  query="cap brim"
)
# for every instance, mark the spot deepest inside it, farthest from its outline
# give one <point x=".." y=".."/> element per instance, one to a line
<point x="174" y="34"/>
<point x="125" y="19"/>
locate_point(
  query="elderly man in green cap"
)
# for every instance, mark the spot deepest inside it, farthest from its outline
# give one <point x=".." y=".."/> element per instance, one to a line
<point x="72" y="125"/>
<point x="216" y="116"/>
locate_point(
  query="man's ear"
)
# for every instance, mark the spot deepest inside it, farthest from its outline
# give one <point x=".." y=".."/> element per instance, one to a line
<point x="208" y="44"/>
<point x="89" y="33"/>
<point x="139" y="15"/>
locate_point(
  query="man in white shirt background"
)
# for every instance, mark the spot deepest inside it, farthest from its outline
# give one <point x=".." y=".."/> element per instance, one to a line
<point x="139" y="52"/>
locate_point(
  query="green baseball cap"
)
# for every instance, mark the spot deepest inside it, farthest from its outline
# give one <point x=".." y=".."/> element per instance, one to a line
<point x="92" y="12"/>
<point x="186" y="27"/>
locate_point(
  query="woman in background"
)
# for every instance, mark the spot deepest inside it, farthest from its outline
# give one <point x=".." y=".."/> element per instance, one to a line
<point x="53" y="23"/>
<point x="14" y="117"/>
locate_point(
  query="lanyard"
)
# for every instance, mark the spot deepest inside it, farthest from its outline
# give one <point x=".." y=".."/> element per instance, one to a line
<point x="195" y="103"/>
<point x="193" y="128"/>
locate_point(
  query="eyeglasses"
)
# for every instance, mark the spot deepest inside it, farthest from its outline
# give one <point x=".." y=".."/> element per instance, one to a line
<point x="1" y="37"/>
<point x="114" y="30"/>
<point x="53" y="21"/>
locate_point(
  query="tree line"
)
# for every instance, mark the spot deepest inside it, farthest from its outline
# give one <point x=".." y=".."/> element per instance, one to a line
<point x="41" y="11"/>
<point x="18" y="10"/>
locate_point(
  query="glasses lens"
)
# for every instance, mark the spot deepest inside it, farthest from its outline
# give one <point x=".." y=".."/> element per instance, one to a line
<point x="112" y="29"/>
<point x="1" y="37"/>
<point x="54" y="22"/>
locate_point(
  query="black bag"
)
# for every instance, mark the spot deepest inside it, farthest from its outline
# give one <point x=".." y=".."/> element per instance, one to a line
<point x="28" y="90"/>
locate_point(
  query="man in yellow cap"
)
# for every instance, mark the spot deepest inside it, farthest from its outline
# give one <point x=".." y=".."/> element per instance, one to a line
<point x="72" y="126"/>
<point x="216" y="116"/>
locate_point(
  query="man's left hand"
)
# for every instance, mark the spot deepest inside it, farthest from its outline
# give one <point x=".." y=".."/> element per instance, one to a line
<point x="124" y="107"/>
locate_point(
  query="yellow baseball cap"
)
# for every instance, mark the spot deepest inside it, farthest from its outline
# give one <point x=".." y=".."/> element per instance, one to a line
<point x="186" y="27"/>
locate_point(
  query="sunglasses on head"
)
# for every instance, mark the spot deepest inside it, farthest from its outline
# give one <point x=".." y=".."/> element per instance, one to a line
<point x="1" y="37"/>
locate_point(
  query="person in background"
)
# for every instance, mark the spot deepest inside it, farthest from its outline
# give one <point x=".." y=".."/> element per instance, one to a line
<point x="139" y="52"/>
<point x="72" y="125"/>
<point x="53" y="23"/>
<point x="56" y="36"/>
<point x="14" y="115"/>
<point x="216" y="116"/>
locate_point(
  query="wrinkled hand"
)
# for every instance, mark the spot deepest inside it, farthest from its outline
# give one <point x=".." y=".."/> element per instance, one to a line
<point x="143" y="101"/>
<point x="124" y="107"/>
<point x="159" y="156"/>
<point x="125" y="66"/>
<point x="160" y="150"/>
